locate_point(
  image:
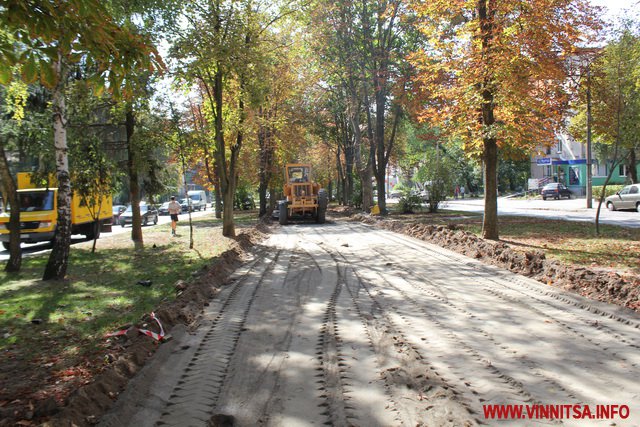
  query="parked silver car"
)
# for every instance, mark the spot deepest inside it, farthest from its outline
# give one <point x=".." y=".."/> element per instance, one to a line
<point x="148" y="214"/>
<point x="627" y="198"/>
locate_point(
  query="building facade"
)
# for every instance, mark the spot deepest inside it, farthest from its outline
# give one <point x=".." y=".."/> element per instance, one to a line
<point x="566" y="162"/>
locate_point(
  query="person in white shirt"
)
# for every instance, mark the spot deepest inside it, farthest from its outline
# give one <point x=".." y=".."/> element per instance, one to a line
<point x="174" y="210"/>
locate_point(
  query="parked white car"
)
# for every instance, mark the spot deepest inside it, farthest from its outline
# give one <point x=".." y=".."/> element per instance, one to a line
<point x="627" y="198"/>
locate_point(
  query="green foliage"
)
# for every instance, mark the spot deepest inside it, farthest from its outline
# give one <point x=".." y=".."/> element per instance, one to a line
<point x="356" y="195"/>
<point x="16" y="100"/>
<point x="513" y="174"/>
<point x="25" y="123"/>
<point x="614" y="84"/>
<point x="437" y="177"/>
<point x="402" y="188"/>
<point x="41" y="35"/>
<point x="91" y="175"/>
<point x="610" y="190"/>
<point x="409" y="203"/>
<point x="244" y="198"/>
<point x="423" y="148"/>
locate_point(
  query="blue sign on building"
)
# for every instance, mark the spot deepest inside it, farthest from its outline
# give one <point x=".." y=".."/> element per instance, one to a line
<point x="544" y="161"/>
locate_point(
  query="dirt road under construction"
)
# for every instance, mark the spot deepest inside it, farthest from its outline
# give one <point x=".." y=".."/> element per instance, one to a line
<point x="344" y="324"/>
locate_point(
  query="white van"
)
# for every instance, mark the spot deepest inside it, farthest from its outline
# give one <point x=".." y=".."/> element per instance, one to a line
<point x="198" y="199"/>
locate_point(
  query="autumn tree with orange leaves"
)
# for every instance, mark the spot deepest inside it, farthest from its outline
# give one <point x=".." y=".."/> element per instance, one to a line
<point x="494" y="75"/>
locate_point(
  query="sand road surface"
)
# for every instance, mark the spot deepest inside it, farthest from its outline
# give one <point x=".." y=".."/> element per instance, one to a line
<point x="346" y="325"/>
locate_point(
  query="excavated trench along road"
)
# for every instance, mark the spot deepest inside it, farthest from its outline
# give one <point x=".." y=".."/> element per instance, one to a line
<point x="344" y="325"/>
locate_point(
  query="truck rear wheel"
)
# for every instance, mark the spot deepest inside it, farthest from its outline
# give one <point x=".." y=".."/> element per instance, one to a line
<point x="323" y="201"/>
<point x="282" y="218"/>
<point x="93" y="231"/>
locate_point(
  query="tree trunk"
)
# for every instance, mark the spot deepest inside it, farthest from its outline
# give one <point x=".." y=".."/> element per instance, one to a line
<point x="56" y="267"/>
<point x="265" y="142"/>
<point x="348" y="171"/>
<point x="228" y="225"/>
<point x="272" y="198"/>
<point x="134" y="184"/>
<point x="604" y="189"/>
<point x="228" y="169"/>
<point x="340" y="181"/>
<point x="264" y="172"/>
<point x="490" y="220"/>
<point x="367" y="173"/>
<point x="9" y="189"/>
<point x="223" y="204"/>
<point x="383" y="152"/>
<point x="262" y="197"/>
<point x="379" y="164"/>
<point x="365" y="170"/>
<point x="632" y="165"/>
<point x="486" y="15"/>
<point x="217" y="194"/>
<point x="367" y="187"/>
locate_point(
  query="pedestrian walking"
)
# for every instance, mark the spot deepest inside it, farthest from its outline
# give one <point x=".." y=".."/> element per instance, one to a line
<point x="174" y="210"/>
<point x="456" y="192"/>
<point x="462" y="191"/>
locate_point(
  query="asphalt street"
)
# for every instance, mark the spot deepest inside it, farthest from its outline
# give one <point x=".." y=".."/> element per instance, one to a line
<point x="568" y="210"/>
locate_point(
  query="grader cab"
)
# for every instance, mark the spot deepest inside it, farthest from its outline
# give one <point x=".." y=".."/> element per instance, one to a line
<point x="305" y="199"/>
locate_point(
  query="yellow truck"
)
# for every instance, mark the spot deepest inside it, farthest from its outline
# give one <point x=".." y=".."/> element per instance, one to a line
<point x="304" y="198"/>
<point x="39" y="213"/>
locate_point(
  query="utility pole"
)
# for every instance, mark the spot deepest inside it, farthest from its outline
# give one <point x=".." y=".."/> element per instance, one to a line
<point x="589" y="160"/>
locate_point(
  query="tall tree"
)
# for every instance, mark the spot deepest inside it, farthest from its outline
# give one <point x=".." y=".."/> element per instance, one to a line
<point x="362" y="41"/>
<point x="615" y="92"/>
<point x="494" y="74"/>
<point x="222" y="49"/>
<point x="12" y="106"/>
<point x="52" y="37"/>
<point x="614" y="88"/>
<point x="385" y="70"/>
<point x="342" y="46"/>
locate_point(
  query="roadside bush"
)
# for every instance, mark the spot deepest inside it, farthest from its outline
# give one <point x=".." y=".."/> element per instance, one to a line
<point x="244" y="198"/>
<point x="437" y="191"/>
<point x="409" y="203"/>
<point x="356" y="195"/>
<point x="609" y="191"/>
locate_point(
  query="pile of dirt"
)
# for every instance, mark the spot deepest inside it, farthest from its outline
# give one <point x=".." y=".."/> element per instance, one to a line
<point x="129" y="352"/>
<point x="598" y="285"/>
<point x="342" y="211"/>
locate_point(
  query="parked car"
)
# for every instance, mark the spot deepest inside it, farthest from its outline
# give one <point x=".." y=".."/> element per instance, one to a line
<point x="116" y="212"/>
<point x="184" y="204"/>
<point x="627" y="198"/>
<point x="425" y="192"/>
<point x="148" y="214"/>
<point x="555" y="190"/>
<point x="245" y="203"/>
<point x="164" y="209"/>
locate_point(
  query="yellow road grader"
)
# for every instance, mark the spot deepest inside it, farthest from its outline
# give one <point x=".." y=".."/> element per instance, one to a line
<point x="305" y="199"/>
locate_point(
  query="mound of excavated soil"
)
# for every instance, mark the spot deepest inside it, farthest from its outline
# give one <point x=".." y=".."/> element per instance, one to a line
<point x="598" y="285"/>
<point x="131" y="351"/>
